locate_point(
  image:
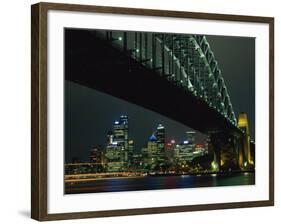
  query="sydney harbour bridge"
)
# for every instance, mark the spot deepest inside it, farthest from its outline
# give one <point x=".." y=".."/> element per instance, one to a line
<point x="175" y="75"/>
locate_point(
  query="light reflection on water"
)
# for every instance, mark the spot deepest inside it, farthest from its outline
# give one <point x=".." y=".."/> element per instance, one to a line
<point x="162" y="182"/>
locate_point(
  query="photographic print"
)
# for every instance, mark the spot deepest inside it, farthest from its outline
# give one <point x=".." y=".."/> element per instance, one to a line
<point x="154" y="111"/>
<point x="140" y="111"/>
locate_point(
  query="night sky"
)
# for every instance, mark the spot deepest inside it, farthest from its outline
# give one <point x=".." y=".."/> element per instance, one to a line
<point x="89" y="114"/>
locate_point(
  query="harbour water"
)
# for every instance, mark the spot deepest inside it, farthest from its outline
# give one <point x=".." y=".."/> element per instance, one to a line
<point x="160" y="182"/>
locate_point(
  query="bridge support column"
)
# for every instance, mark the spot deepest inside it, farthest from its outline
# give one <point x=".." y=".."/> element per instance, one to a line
<point x="226" y="151"/>
<point x="241" y="154"/>
<point x="245" y="140"/>
<point x="215" y="141"/>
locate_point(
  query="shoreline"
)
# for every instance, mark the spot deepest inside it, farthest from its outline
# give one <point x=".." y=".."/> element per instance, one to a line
<point x="76" y="178"/>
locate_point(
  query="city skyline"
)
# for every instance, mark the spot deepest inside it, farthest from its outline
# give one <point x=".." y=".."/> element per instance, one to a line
<point x="158" y="154"/>
<point x="140" y="130"/>
<point x="153" y="136"/>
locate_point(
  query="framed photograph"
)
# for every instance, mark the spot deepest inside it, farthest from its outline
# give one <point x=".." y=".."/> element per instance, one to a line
<point x="138" y="111"/>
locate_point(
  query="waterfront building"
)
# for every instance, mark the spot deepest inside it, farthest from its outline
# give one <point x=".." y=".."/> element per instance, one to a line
<point x="161" y="137"/>
<point x="152" y="151"/>
<point x="170" y="151"/>
<point x="130" y="151"/>
<point x="137" y="162"/>
<point x="144" y="153"/>
<point x="200" y="150"/>
<point x="118" y="149"/>
<point x="120" y="132"/>
<point x="97" y="158"/>
<point x="114" y="161"/>
<point x="97" y="155"/>
<point x="184" y="152"/>
<point x="190" y="138"/>
<point x="109" y="138"/>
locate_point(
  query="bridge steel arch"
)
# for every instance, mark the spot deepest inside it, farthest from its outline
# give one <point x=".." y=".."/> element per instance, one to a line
<point x="186" y="60"/>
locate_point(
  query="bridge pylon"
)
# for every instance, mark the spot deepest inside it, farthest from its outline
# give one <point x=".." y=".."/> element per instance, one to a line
<point x="245" y="157"/>
<point x="228" y="151"/>
<point x="216" y="147"/>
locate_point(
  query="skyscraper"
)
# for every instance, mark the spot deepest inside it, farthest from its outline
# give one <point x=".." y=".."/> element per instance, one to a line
<point x="160" y="135"/>
<point x="152" y="151"/>
<point x="120" y="132"/>
<point x="118" y="144"/>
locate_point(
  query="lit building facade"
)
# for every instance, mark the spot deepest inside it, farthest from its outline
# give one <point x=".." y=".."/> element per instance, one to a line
<point x="190" y="135"/>
<point x="97" y="156"/>
<point x="119" y="148"/>
<point x="161" y="137"/>
<point x="114" y="161"/>
<point x="120" y="132"/>
<point x="184" y="153"/>
<point x="152" y="151"/>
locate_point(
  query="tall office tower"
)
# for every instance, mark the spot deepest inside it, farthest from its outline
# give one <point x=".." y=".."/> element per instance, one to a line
<point x="121" y="138"/>
<point x="152" y="151"/>
<point x="118" y="148"/>
<point x="120" y="132"/>
<point x="191" y="139"/>
<point x="160" y="135"/>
